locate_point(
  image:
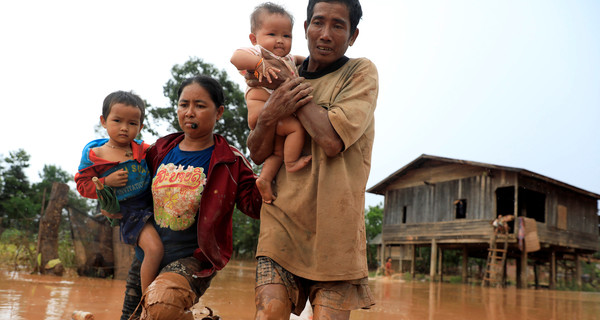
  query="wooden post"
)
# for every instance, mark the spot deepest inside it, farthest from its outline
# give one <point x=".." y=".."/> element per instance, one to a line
<point x="465" y="265"/>
<point x="382" y="254"/>
<point x="48" y="229"/>
<point x="413" y="261"/>
<point x="523" y="270"/>
<point x="433" y="260"/>
<point x="440" y="264"/>
<point x="578" y="272"/>
<point x="553" y="269"/>
<point x="402" y="251"/>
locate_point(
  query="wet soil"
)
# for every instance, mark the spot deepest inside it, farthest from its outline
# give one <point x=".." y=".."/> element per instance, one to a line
<point x="25" y="297"/>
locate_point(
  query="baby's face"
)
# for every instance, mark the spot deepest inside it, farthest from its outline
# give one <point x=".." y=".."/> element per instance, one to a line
<point x="275" y="34"/>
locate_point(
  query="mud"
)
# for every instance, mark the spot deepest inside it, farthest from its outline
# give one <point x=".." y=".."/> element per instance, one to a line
<point x="24" y="297"/>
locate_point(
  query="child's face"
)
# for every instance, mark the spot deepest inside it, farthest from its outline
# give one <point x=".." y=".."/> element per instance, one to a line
<point x="123" y="123"/>
<point x="275" y="34"/>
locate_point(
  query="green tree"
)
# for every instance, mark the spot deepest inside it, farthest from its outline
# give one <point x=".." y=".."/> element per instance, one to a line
<point x="234" y="123"/>
<point x="373" y="221"/>
<point x="245" y="235"/>
<point x="51" y="174"/>
<point x="17" y="209"/>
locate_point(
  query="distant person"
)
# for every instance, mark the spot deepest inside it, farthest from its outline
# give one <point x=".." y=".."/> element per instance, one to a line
<point x="312" y="241"/>
<point x="197" y="180"/>
<point x="119" y="162"/>
<point x="388" y="268"/>
<point x="271" y="34"/>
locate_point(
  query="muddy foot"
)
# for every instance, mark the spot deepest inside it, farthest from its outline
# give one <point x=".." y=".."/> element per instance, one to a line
<point x="298" y="164"/>
<point x="264" y="187"/>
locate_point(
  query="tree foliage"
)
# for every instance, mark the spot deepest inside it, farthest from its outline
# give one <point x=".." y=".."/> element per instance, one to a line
<point x="234" y="123"/>
<point x="373" y="222"/>
<point x="21" y="202"/>
<point x="245" y="235"/>
<point x="17" y="208"/>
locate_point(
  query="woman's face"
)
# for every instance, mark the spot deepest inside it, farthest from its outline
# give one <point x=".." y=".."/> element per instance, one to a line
<point x="196" y="111"/>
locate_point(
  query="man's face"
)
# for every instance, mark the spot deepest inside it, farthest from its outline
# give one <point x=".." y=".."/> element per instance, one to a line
<point x="328" y="34"/>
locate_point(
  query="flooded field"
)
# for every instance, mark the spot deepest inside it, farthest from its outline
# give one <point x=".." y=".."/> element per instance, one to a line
<point x="34" y="297"/>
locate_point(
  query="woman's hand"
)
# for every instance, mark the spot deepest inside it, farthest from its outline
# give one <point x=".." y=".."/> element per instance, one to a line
<point x="117" y="178"/>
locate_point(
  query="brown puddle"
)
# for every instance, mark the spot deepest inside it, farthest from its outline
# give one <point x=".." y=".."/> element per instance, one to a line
<point x="25" y="297"/>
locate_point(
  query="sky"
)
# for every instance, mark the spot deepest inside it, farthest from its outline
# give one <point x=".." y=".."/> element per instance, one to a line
<point x="513" y="82"/>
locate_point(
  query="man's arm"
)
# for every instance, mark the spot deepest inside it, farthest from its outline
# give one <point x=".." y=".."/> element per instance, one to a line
<point x="285" y="100"/>
<point x="315" y="121"/>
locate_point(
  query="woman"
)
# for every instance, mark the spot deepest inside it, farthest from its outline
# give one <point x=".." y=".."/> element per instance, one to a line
<point x="198" y="178"/>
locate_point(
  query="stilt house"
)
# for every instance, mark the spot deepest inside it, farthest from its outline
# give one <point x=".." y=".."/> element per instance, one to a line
<point x="450" y="204"/>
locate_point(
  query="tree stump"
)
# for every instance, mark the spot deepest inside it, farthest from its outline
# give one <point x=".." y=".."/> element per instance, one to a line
<point x="48" y="229"/>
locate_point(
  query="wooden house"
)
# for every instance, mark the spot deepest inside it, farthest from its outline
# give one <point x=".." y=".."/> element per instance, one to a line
<point x="450" y="204"/>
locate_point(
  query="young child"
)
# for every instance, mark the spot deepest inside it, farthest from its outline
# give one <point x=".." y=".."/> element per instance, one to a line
<point x="119" y="162"/>
<point x="271" y="33"/>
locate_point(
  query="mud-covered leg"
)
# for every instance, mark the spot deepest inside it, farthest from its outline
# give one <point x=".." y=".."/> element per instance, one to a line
<point x="326" y="313"/>
<point x="168" y="297"/>
<point x="272" y="302"/>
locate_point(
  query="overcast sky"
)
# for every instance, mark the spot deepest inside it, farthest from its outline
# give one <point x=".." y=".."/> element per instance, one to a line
<point x="512" y="83"/>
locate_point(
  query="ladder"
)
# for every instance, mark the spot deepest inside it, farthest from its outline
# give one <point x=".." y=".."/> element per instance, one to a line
<point x="494" y="268"/>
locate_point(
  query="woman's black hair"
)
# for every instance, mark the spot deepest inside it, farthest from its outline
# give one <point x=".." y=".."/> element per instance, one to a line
<point x="214" y="88"/>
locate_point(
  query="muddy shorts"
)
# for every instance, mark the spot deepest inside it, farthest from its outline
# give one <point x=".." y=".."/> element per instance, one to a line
<point x="339" y="295"/>
<point x="171" y="295"/>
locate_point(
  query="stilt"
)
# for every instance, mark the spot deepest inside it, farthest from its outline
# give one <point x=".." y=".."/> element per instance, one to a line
<point x="553" y="270"/>
<point x="578" y="272"/>
<point x="433" y="260"/>
<point x="465" y="265"/>
<point x="413" y="261"/>
<point x="523" y="274"/>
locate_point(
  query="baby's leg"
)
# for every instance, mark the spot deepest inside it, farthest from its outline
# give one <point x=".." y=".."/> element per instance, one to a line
<point x="150" y="242"/>
<point x="255" y="100"/>
<point x="269" y="170"/>
<point x="293" y="132"/>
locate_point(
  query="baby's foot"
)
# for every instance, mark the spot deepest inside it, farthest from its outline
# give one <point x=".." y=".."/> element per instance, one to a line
<point x="298" y="164"/>
<point x="264" y="187"/>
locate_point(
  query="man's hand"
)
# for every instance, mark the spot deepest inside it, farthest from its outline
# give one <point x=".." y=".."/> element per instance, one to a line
<point x="291" y="95"/>
<point x="284" y="101"/>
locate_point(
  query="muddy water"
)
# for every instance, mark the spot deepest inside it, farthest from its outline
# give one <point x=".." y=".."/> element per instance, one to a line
<point x="24" y="297"/>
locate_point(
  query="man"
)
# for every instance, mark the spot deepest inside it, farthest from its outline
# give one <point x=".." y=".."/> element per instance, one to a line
<point x="312" y="241"/>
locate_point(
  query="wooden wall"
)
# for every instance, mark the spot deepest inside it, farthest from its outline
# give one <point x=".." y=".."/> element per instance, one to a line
<point x="427" y="195"/>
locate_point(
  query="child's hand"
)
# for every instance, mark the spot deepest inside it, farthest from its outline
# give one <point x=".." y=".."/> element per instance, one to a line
<point x="267" y="70"/>
<point x="117" y="178"/>
<point x="111" y="215"/>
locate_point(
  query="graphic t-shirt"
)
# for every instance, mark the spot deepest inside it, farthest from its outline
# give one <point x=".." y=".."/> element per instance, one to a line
<point x="138" y="178"/>
<point x="176" y="191"/>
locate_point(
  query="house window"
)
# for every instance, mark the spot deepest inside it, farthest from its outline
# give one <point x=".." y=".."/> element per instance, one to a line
<point x="460" y="208"/>
<point x="404" y="209"/>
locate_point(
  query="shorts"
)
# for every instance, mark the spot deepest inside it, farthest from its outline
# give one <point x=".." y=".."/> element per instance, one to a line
<point x="339" y="295"/>
<point x="168" y="293"/>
